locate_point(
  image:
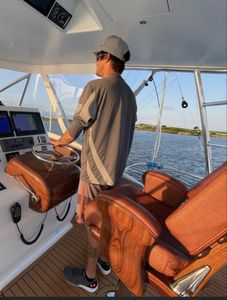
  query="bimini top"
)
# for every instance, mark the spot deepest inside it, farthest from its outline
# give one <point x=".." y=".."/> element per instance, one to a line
<point x="58" y="36"/>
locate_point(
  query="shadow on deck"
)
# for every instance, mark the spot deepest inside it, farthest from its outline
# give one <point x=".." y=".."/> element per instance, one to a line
<point x="44" y="278"/>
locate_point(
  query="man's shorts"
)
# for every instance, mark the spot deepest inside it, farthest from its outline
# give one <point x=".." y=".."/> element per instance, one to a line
<point x="86" y="193"/>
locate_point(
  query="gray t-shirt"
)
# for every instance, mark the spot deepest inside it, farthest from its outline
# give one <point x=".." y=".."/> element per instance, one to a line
<point x="107" y="113"/>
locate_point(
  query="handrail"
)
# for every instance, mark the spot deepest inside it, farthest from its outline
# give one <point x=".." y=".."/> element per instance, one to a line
<point x="216" y="103"/>
<point x="25" y="89"/>
<point x="159" y="167"/>
<point x="34" y="197"/>
<point x="15" y="82"/>
<point x="204" y="121"/>
<point x="216" y="145"/>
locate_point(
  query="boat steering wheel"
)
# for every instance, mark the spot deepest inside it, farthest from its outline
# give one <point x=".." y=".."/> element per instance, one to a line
<point x="55" y="157"/>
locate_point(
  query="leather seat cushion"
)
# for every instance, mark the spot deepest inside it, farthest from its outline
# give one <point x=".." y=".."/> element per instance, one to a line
<point x="158" y="209"/>
<point x="166" y="259"/>
<point x="164" y="188"/>
<point x="201" y="220"/>
<point x="51" y="184"/>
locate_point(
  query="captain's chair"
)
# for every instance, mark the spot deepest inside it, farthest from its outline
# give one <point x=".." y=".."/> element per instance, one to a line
<point x="165" y="236"/>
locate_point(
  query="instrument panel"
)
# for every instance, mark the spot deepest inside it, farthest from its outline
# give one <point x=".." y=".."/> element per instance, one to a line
<point x="18" y="123"/>
<point x="20" y="129"/>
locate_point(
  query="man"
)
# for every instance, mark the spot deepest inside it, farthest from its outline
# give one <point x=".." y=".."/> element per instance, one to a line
<point x="106" y="113"/>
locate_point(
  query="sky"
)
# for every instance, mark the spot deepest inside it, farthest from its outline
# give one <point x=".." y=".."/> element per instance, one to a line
<point x="180" y="86"/>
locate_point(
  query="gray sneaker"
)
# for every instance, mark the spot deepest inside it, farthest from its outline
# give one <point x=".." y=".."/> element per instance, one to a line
<point x="104" y="266"/>
<point x="77" y="277"/>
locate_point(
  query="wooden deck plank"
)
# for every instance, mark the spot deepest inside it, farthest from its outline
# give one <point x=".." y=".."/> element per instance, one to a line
<point x="48" y="286"/>
<point x="17" y="291"/>
<point x="58" y="268"/>
<point x="8" y="293"/>
<point x="26" y="288"/>
<point x="39" y="280"/>
<point x="77" y="243"/>
<point x="69" y="260"/>
<point x="72" y="253"/>
<point x="52" y="279"/>
<point x="34" y="285"/>
<point x="151" y="293"/>
<point x="45" y="276"/>
<point x="217" y="285"/>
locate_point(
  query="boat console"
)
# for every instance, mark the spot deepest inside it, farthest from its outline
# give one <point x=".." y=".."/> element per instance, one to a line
<point x="20" y="129"/>
<point x="27" y="224"/>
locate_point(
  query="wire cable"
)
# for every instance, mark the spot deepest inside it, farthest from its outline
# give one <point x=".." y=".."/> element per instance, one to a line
<point x="26" y="242"/>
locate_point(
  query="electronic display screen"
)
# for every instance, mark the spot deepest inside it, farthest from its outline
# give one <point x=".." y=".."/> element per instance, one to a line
<point x="5" y="125"/>
<point x="27" y="123"/>
<point x="42" y="6"/>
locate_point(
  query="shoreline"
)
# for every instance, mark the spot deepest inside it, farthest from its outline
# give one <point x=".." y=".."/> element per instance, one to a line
<point x="177" y="130"/>
<point x="169" y="129"/>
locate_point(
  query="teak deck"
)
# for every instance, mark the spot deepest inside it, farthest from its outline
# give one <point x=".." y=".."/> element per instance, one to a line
<point x="44" y="278"/>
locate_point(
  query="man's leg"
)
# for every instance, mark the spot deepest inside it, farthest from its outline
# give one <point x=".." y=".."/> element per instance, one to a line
<point x="87" y="211"/>
<point x="92" y="216"/>
<point x="84" y="277"/>
<point x="92" y="255"/>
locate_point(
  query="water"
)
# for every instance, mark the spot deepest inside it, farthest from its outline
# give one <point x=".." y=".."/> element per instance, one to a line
<point x="181" y="152"/>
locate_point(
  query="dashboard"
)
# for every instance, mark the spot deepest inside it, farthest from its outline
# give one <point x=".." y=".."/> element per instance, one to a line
<point x="20" y="129"/>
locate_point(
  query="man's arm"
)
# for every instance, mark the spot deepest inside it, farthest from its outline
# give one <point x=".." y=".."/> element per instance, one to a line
<point x="84" y="116"/>
<point x="65" y="139"/>
<point x="70" y="134"/>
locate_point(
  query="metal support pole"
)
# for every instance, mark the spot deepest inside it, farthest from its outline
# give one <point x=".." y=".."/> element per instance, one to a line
<point x="143" y="84"/>
<point x="50" y="118"/>
<point x="158" y="126"/>
<point x="25" y="89"/>
<point x="215" y="103"/>
<point x="57" y="108"/>
<point x="15" y="82"/>
<point x="204" y="123"/>
<point x="217" y="145"/>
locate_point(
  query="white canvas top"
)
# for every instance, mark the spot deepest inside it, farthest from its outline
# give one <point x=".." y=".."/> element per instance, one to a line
<point x="178" y="34"/>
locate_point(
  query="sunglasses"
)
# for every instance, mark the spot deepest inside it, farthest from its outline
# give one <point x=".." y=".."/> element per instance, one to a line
<point x="100" y="55"/>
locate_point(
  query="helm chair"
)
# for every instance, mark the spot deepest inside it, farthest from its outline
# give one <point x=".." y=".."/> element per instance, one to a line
<point x="165" y="235"/>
